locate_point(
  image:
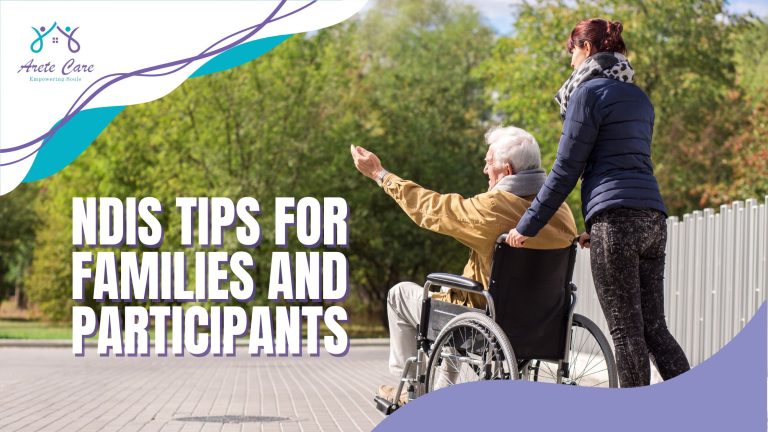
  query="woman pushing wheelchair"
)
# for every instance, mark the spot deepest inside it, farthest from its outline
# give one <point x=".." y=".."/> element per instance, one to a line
<point x="606" y="140"/>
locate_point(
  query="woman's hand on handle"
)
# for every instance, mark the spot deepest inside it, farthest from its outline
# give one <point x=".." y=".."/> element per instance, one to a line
<point x="515" y="239"/>
<point x="584" y="241"/>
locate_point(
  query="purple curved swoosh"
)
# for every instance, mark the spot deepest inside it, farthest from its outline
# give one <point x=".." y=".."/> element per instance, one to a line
<point x="724" y="393"/>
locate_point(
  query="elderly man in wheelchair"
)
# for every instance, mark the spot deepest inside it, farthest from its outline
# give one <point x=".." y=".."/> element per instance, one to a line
<point x="510" y="315"/>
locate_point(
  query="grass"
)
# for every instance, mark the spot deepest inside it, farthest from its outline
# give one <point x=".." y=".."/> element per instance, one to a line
<point x="32" y="329"/>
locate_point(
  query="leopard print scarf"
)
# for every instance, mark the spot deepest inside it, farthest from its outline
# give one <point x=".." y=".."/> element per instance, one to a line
<point x="606" y="64"/>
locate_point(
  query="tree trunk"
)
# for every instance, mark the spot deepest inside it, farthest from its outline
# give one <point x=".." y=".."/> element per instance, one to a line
<point x="21" y="299"/>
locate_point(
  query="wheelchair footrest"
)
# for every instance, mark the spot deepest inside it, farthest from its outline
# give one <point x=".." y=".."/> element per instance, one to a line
<point x="385" y="406"/>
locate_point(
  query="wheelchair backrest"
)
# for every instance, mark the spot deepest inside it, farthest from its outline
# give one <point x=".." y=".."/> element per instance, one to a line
<point x="531" y="293"/>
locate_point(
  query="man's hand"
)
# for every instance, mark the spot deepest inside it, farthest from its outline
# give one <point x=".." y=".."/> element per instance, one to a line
<point x="366" y="162"/>
<point x="584" y="241"/>
<point x="515" y="239"/>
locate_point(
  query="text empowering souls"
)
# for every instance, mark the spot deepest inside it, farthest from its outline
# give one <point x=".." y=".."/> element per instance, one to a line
<point x="153" y="276"/>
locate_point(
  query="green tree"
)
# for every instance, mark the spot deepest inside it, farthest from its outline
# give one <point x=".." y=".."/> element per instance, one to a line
<point x="424" y="114"/>
<point x="684" y="54"/>
<point x="17" y="233"/>
<point x="418" y="83"/>
<point x="397" y="81"/>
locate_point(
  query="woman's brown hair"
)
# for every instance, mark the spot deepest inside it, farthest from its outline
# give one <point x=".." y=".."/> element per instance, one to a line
<point x="602" y="34"/>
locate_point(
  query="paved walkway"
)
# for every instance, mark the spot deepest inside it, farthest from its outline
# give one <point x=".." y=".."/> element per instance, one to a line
<point x="47" y="389"/>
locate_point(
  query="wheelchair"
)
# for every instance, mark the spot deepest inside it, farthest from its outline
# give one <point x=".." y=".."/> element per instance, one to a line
<point x="528" y="329"/>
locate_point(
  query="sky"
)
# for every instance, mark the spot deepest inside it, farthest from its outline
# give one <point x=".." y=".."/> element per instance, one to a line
<point x="499" y="12"/>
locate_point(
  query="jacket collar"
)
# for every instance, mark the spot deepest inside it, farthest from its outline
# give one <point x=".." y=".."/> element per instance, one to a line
<point x="524" y="183"/>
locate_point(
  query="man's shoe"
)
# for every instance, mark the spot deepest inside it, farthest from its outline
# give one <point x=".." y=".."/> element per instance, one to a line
<point x="388" y="393"/>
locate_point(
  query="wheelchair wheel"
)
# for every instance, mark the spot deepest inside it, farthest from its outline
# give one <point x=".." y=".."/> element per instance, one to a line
<point x="471" y="347"/>
<point x="590" y="361"/>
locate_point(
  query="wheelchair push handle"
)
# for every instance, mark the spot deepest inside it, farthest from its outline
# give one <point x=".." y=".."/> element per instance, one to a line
<point x="503" y="239"/>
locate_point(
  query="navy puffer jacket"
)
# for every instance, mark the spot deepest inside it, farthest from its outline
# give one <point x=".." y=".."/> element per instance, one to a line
<point x="607" y="141"/>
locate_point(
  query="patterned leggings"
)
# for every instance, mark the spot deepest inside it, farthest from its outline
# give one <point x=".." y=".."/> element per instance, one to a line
<point x="627" y="258"/>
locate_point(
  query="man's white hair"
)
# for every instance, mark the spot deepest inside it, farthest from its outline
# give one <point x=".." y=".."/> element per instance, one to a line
<point x="514" y="146"/>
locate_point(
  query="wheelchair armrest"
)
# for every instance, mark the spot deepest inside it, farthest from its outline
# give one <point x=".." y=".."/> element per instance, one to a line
<point x="454" y="281"/>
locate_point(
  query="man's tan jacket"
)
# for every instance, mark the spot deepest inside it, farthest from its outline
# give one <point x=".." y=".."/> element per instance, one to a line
<point x="476" y="222"/>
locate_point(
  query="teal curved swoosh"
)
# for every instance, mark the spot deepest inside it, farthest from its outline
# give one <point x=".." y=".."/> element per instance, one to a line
<point x="75" y="136"/>
<point x="238" y="55"/>
<point x="70" y="141"/>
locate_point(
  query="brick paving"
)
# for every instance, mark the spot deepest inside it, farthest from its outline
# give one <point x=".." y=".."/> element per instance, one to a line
<point x="47" y="389"/>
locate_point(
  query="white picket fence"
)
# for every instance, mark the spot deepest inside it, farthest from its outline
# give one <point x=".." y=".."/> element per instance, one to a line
<point x="715" y="276"/>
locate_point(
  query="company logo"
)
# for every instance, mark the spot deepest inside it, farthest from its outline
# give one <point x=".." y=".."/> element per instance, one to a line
<point x="55" y="65"/>
<point x="69" y="34"/>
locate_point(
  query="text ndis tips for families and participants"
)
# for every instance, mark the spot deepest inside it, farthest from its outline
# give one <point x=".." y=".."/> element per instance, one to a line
<point x="148" y="299"/>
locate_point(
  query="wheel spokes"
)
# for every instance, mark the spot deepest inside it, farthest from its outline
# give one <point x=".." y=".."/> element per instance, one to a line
<point x="588" y="367"/>
<point x="586" y="364"/>
<point x="466" y="354"/>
